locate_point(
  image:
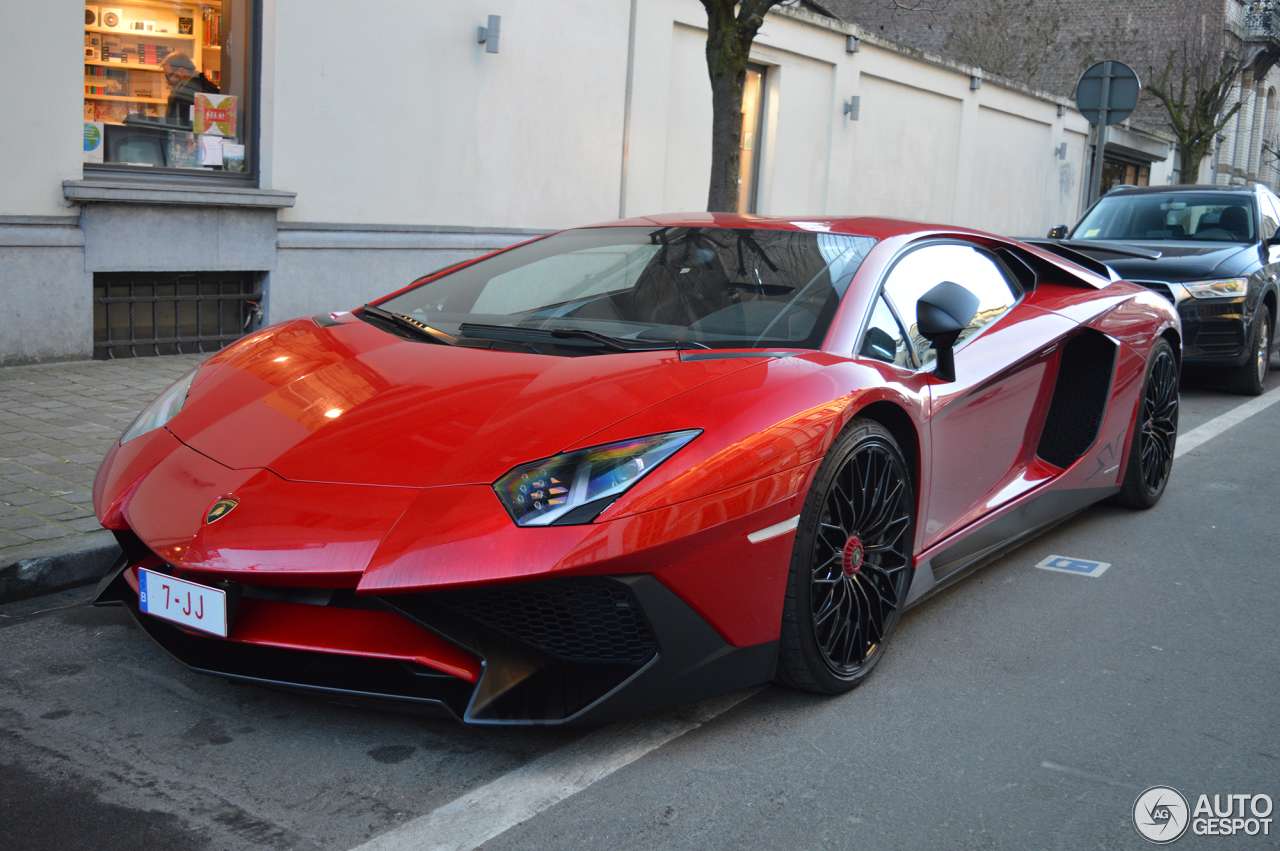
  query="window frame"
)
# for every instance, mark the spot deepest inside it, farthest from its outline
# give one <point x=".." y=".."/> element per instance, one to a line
<point x="753" y="199"/>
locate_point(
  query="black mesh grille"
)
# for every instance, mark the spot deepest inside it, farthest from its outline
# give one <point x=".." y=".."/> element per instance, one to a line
<point x="591" y="619"/>
<point x="1218" y="338"/>
<point x="1079" y="399"/>
<point x="1160" y="287"/>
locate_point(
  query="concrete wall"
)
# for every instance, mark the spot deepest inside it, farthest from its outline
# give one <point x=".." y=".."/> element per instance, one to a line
<point x="40" y="83"/>
<point x="48" y="312"/>
<point x="393" y="113"/>
<point x="926" y="144"/>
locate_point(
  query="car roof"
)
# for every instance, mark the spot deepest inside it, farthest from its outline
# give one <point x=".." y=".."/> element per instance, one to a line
<point x="1192" y="187"/>
<point x="870" y="226"/>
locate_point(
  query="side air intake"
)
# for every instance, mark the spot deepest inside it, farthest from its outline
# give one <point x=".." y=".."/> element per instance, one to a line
<point x="1080" y="398"/>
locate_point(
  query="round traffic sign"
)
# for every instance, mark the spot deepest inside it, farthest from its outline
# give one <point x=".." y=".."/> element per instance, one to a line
<point x="1121" y="86"/>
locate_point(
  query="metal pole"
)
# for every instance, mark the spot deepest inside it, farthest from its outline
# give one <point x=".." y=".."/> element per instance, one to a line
<point x="1095" y="191"/>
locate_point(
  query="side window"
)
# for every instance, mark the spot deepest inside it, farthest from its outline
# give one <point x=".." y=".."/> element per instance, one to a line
<point x="923" y="269"/>
<point x="885" y="339"/>
<point x="1270" y="216"/>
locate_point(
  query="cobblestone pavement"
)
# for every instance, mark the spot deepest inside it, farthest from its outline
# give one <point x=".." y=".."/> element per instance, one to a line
<point x="56" y="423"/>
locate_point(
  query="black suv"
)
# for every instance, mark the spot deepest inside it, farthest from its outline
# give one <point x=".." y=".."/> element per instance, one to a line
<point x="1213" y="251"/>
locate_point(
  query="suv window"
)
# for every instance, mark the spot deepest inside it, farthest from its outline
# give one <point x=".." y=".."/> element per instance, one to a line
<point x="1270" y="215"/>
<point x="1213" y="216"/>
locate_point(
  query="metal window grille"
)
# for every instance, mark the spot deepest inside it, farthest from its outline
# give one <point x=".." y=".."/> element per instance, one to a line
<point x="141" y="314"/>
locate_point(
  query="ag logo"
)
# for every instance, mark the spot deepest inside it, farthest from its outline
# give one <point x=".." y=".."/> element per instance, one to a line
<point x="221" y="509"/>
<point x="1160" y="814"/>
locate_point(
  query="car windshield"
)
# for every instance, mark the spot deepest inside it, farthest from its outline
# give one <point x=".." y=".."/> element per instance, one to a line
<point x="616" y="288"/>
<point x="1213" y="216"/>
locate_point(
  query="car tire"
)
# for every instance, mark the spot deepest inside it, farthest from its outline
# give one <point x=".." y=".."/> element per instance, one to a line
<point x="1155" y="432"/>
<point x="1249" y="379"/>
<point x="851" y="564"/>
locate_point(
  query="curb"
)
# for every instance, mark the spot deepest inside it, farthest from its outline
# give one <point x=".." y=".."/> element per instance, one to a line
<point x="40" y="569"/>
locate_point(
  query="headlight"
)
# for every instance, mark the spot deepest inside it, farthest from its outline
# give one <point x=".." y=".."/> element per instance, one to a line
<point x="163" y="409"/>
<point x="1218" y="289"/>
<point x="575" y="487"/>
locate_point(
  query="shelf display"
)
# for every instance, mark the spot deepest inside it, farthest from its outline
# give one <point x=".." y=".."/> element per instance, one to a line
<point x="145" y="61"/>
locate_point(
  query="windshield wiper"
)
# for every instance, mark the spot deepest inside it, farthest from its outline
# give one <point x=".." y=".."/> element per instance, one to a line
<point x="525" y="335"/>
<point x="408" y="323"/>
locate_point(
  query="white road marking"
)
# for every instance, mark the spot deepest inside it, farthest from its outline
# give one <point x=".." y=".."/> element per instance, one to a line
<point x="1216" y="426"/>
<point x="1085" y="775"/>
<point x="774" y="531"/>
<point x="494" y="808"/>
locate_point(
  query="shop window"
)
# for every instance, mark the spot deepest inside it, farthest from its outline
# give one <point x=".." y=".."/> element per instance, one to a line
<point x="169" y="85"/>
<point x="1116" y="173"/>
<point x="140" y="314"/>
<point x="752" y="128"/>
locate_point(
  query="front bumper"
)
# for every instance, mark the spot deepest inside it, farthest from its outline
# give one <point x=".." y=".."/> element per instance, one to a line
<point x="577" y="650"/>
<point x="1215" y="331"/>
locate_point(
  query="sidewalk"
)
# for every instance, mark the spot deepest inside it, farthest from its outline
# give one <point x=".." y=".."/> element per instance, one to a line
<point x="56" y="423"/>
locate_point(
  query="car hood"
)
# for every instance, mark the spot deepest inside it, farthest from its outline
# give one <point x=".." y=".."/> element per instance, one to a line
<point x="352" y="404"/>
<point x="1180" y="261"/>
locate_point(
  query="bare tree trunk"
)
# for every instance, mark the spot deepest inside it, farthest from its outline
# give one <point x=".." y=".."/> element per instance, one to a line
<point x="729" y="38"/>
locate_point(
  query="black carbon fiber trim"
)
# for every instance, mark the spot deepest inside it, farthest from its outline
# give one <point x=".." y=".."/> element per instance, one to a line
<point x="589" y="619"/>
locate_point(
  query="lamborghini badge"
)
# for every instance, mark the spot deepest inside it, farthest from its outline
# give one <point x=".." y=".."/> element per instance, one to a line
<point x="221" y="509"/>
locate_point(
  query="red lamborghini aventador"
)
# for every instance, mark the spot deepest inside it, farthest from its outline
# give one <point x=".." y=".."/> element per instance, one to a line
<point x="625" y="467"/>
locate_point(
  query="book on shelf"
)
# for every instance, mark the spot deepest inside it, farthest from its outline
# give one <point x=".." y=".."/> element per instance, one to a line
<point x="185" y="25"/>
<point x="212" y="27"/>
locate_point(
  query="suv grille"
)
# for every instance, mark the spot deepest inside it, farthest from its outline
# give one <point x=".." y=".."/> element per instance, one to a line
<point x="1159" y="287"/>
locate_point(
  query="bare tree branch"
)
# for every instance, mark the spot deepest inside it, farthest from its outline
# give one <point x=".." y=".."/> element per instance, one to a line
<point x="1194" y="89"/>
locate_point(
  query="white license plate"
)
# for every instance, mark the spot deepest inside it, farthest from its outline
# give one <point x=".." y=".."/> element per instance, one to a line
<point x="180" y="601"/>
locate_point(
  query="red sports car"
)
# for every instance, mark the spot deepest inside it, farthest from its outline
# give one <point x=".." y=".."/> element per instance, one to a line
<point x="624" y="467"/>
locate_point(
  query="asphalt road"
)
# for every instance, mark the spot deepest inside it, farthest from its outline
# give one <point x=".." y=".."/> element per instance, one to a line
<point x="1021" y="709"/>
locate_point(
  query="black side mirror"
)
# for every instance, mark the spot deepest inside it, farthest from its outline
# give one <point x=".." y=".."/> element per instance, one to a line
<point x="941" y="314"/>
<point x="1058" y="232"/>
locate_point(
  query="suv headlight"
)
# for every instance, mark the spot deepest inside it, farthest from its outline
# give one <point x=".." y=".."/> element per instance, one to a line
<point x="575" y="487"/>
<point x="163" y="409"/>
<point x="1229" y="287"/>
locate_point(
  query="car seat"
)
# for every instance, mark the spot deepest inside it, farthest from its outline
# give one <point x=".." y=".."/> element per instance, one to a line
<point x="1235" y="220"/>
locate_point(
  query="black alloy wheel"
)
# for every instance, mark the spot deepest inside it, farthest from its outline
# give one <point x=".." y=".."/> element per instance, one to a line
<point x="851" y="566"/>
<point x="1250" y="378"/>
<point x="1155" y="432"/>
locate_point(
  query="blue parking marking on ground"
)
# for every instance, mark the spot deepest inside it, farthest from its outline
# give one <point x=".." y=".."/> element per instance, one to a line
<point x="1078" y="566"/>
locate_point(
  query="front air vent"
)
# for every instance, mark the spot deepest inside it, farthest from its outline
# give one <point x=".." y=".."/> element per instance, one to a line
<point x="588" y="619"/>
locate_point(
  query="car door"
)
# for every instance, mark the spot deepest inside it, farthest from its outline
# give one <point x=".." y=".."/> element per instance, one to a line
<point x="983" y="426"/>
